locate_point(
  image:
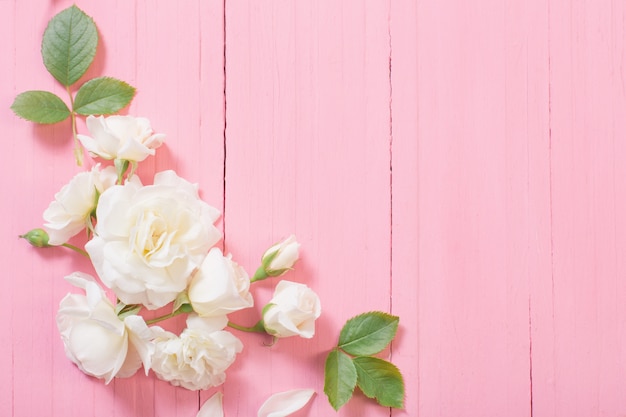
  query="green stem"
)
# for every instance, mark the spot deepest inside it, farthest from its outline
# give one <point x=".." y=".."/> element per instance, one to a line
<point x="78" y="151"/>
<point x="76" y="249"/>
<point x="257" y="328"/>
<point x="165" y="317"/>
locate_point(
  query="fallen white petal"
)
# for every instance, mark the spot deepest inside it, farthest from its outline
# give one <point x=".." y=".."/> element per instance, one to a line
<point x="285" y="403"/>
<point x="212" y="407"/>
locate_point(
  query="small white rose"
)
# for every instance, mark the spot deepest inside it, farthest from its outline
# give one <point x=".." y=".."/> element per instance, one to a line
<point x="149" y="239"/>
<point x="95" y="339"/>
<point x="292" y="311"/>
<point x="278" y="259"/>
<point x="121" y="137"/>
<point x="219" y="287"/>
<point x="70" y="211"/>
<point x="196" y="360"/>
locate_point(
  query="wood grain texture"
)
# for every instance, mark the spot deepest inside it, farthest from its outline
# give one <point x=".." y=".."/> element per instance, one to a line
<point x="460" y="165"/>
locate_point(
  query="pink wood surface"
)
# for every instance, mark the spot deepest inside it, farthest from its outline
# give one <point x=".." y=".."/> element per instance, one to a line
<point x="460" y="164"/>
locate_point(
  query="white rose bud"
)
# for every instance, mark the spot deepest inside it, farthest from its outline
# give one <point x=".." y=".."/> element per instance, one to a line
<point x="121" y="137"/>
<point x="278" y="259"/>
<point x="292" y="311"/>
<point x="219" y="286"/>
<point x="95" y="338"/>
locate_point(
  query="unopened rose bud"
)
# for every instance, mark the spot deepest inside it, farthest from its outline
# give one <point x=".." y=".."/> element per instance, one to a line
<point x="37" y="238"/>
<point x="278" y="259"/>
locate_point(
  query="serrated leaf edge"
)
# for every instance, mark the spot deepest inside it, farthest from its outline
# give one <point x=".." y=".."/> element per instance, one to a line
<point x="395" y="321"/>
<point x="337" y="406"/>
<point x="78" y="105"/>
<point x="394" y="367"/>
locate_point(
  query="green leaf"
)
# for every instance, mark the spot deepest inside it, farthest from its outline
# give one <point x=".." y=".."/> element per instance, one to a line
<point x="69" y="45"/>
<point x="40" y="107"/>
<point x="339" y="378"/>
<point x="381" y="380"/>
<point x="368" y="333"/>
<point x="103" y="95"/>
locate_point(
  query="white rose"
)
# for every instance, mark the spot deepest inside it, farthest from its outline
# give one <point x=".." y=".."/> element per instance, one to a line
<point x="292" y="311"/>
<point x="278" y="259"/>
<point x="71" y="209"/>
<point x="121" y="137"/>
<point x="219" y="287"/>
<point x="149" y="239"/>
<point x="198" y="358"/>
<point x="95" y="339"/>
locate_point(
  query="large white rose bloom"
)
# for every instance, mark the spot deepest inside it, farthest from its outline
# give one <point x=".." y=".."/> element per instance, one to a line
<point x="219" y="287"/>
<point x="95" y="339"/>
<point x="198" y="358"/>
<point x="70" y="211"/>
<point x="292" y="311"/>
<point x="149" y="239"/>
<point x="121" y="137"/>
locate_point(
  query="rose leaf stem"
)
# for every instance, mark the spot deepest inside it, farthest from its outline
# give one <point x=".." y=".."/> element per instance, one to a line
<point x="76" y="249"/>
<point x="78" y="151"/>
<point x="257" y="328"/>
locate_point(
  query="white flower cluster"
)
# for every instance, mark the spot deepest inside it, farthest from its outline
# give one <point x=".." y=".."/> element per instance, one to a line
<point x="152" y="246"/>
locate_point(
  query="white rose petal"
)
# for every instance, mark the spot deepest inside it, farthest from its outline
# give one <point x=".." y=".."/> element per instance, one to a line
<point x="196" y="360"/>
<point x="285" y="403"/>
<point x="219" y="287"/>
<point x="95" y="339"/>
<point x="149" y="239"/>
<point x="120" y="137"/>
<point x="70" y="211"/>
<point x="292" y="311"/>
<point x="212" y="407"/>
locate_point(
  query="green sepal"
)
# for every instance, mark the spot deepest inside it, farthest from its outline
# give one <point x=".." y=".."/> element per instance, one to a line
<point x="181" y="299"/>
<point x="40" y="107"/>
<point x="69" y="45"/>
<point x="124" y="310"/>
<point x="121" y="166"/>
<point x="103" y="95"/>
<point x="380" y="380"/>
<point x="340" y="378"/>
<point x="368" y="333"/>
<point x="260" y="274"/>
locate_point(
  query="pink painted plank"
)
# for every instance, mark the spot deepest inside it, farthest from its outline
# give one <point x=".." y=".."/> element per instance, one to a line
<point x="458" y="182"/>
<point x="405" y="273"/>
<point x="308" y="152"/>
<point x="587" y="129"/>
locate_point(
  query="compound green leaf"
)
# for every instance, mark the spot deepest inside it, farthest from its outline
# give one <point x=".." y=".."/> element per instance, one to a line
<point x="103" y="95"/>
<point x="381" y="380"/>
<point x="339" y="378"/>
<point x="69" y="45"/>
<point x="40" y="107"/>
<point x="368" y="333"/>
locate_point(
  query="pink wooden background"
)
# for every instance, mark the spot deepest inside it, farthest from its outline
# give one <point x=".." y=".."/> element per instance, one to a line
<point x="460" y="164"/>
